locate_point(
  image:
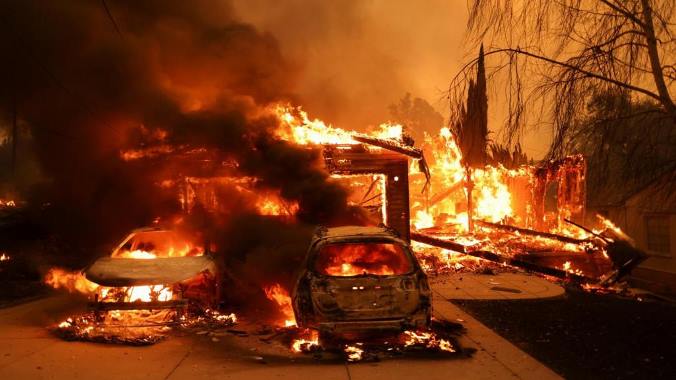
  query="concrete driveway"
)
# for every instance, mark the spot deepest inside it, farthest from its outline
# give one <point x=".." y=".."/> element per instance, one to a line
<point x="29" y="351"/>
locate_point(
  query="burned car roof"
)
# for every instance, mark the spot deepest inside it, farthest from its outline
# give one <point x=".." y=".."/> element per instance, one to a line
<point x="109" y="271"/>
<point x="348" y="232"/>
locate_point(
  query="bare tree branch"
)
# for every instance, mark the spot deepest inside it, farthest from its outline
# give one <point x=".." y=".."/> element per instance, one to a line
<point x="553" y="57"/>
<point x="577" y="69"/>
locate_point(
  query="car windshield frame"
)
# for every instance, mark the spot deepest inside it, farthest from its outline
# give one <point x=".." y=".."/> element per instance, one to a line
<point x="138" y="235"/>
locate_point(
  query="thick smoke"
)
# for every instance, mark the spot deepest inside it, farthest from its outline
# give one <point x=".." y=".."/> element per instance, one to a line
<point x="358" y="57"/>
<point x="88" y="76"/>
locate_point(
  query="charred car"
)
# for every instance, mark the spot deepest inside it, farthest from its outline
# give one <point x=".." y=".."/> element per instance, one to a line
<point x="360" y="280"/>
<point x="155" y="268"/>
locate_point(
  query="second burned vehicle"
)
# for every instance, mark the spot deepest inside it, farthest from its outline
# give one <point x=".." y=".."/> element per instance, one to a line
<point x="361" y="280"/>
<point x="155" y="268"/>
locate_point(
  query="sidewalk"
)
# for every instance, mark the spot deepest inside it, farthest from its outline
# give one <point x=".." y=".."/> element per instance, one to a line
<point x="501" y="286"/>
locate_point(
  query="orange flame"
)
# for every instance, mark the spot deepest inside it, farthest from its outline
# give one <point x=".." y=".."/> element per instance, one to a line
<point x="427" y="339"/>
<point x="7" y="203"/>
<point x="296" y="126"/>
<point x="73" y="282"/>
<point x="282" y="298"/>
<point x="307" y="343"/>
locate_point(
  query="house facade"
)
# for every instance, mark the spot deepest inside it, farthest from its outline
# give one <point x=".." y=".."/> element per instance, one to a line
<point x="649" y="217"/>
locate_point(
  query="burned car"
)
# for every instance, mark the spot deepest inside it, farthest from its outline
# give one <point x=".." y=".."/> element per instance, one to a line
<point x="360" y="280"/>
<point x="155" y="268"/>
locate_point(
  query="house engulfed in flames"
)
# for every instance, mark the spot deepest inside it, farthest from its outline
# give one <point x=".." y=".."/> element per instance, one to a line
<point x="419" y="192"/>
<point x="527" y="217"/>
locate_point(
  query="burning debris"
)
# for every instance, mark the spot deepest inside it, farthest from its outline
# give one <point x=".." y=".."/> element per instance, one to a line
<point x="282" y="298"/>
<point x="441" y="339"/>
<point x="7" y="203"/>
<point x="113" y="328"/>
<point x="307" y="341"/>
<point x="138" y="328"/>
<point x="4" y="257"/>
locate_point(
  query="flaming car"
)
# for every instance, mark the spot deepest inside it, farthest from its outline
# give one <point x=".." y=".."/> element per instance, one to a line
<point x="361" y="280"/>
<point x="154" y="269"/>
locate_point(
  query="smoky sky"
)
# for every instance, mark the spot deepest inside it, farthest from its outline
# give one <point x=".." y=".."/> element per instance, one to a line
<point x="87" y="76"/>
<point x="358" y="57"/>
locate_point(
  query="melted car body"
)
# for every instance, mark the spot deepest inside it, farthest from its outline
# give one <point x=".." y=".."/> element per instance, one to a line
<point x="361" y="280"/>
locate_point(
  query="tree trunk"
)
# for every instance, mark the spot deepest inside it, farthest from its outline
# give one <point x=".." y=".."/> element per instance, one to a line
<point x="653" y="54"/>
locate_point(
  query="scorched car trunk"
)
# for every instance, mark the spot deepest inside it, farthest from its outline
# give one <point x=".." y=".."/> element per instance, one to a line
<point x="365" y="297"/>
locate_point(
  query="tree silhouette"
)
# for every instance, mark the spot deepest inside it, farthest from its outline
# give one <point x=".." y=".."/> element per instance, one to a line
<point x="417" y="116"/>
<point x="553" y="56"/>
<point x="472" y="130"/>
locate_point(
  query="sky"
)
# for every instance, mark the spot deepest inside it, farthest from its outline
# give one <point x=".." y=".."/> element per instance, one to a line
<point x="358" y="57"/>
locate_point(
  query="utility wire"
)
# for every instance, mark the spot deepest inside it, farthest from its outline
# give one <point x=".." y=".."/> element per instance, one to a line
<point x="112" y="19"/>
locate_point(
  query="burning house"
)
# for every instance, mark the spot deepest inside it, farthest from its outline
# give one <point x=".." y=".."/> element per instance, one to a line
<point x="186" y="126"/>
<point x="388" y="180"/>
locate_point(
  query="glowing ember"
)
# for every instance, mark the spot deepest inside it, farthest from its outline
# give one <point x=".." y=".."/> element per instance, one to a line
<point x="354" y="353"/>
<point x="307" y="342"/>
<point x="209" y="319"/>
<point x="427" y="339"/>
<point x="137" y="327"/>
<point x="282" y="298"/>
<point x="7" y="203"/>
<point x="4" y="257"/>
<point x="409" y="341"/>
<point x="117" y="327"/>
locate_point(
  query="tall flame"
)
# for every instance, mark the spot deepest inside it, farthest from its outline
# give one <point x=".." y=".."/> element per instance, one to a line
<point x="282" y="298"/>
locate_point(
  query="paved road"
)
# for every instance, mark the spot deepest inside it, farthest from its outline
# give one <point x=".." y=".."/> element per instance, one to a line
<point x="28" y="351"/>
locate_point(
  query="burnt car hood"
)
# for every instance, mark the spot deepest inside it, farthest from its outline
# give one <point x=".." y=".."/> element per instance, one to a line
<point x="115" y="272"/>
